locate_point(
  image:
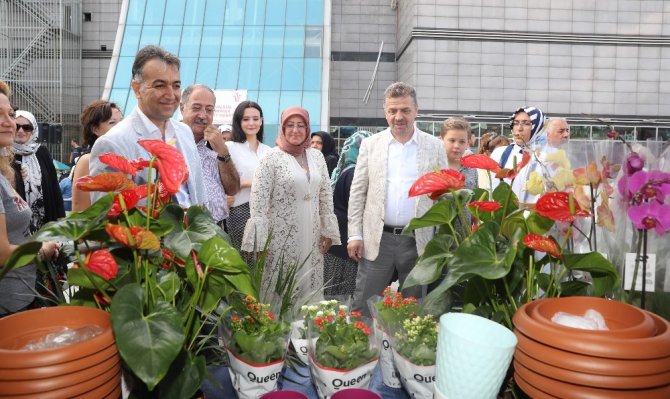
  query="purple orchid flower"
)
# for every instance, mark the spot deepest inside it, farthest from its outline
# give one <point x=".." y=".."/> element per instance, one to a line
<point x="634" y="163"/>
<point x="651" y="215"/>
<point x="649" y="185"/>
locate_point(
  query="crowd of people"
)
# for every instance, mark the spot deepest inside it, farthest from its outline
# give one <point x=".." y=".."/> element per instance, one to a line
<point x="337" y="218"/>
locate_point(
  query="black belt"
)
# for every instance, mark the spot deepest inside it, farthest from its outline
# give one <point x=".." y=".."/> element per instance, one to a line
<point x="393" y="229"/>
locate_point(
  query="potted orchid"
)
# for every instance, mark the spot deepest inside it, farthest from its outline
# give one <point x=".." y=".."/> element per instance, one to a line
<point x="159" y="270"/>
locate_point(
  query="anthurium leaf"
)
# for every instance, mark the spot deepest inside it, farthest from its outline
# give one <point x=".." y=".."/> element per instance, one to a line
<point x="477" y="255"/>
<point x="538" y="224"/>
<point x="242" y="283"/>
<point x="201" y="226"/>
<point x="218" y="254"/>
<point x="513" y="222"/>
<point x="442" y="212"/>
<point x="148" y="342"/>
<point x="573" y="288"/>
<point x="429" y="266"/>
<point x="504" y="195"/>
<point x="23" y="255"/>
<point x="168" y="285"/>
<point x="80" y="277"/>
<point x="78" y="225"/>
<point x="604" y="274"/>
<point x="216" y="287"/>
<point x="184" y="378"/>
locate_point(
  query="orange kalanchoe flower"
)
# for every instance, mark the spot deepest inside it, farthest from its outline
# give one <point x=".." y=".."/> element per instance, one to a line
<point x="437" y="183"/>
<point x="542" y="244"/>
<point x="106" y="182"/>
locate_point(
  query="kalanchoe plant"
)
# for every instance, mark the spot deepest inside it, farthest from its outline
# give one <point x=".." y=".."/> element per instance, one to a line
<point x="310" y="312"/>
<point x="393" y="309"/>
<point x="161" y="272"/>
<point x="493" y="264"/>
<point x="417" y="340"/>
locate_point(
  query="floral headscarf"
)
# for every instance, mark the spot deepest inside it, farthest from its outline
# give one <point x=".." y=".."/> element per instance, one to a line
<point x="349" y="154"/>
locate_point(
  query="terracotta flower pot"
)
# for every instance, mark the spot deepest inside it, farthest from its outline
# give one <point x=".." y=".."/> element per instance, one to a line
<point x="94" y="388"/>
<point x="657" y="346"/>
<point x="14" y="374"/>
<point x="590" y="364"/>
<point x="623" y="320"/>
<point x="530" y="390"/>
<point x="21" y="328"/>
<point x="572" y="391"/>
<point x="592" y="380"/>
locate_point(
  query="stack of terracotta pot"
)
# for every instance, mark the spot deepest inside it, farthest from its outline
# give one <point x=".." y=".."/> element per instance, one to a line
<point x="631" y="359"/>
<point x="87" y="369"/>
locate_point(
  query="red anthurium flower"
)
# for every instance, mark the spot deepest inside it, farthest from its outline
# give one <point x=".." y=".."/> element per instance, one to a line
<point x="102" y="262"/>
<point x="120" y="163"/>
<point x="141" y="238"/>
<point x="512" y="173"/>
<point x="486" y="206"/>
<point x="542" y="244"/>
<point x="480" y="161"/>
<point x="171" y="258"/>
<point x="130" y="198"/>
<point x="106" y="182"/>
<point x="559" y="206"/>
<point x="437" y="183"/>
<point x="169" y="162"/>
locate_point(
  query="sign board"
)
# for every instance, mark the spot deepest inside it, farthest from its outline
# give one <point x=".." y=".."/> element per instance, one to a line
<point x="226" y="102"/>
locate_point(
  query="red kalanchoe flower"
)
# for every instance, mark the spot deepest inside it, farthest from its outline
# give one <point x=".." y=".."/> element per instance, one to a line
<point x="542" y="244"/>
<point x="485" y="206"/>
<point x="559" y="206"/>
<point x="106" y="182"/>
<point x="437" y="183"/>
<point x="169" y="162"/>
<point x="102" y="262"/>
<point x="480" y="161"/>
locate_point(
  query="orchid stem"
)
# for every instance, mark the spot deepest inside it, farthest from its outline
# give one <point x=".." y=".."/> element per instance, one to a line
<point x="593" y="245"/>
<point x="637" y="264"/>
<point x="644" y="269"/>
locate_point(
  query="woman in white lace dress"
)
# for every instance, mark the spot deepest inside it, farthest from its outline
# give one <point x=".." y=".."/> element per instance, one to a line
<point x="291" y="199"/>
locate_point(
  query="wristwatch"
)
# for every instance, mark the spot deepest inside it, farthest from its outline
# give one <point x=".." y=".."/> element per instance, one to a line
<point x="224" y="158"/>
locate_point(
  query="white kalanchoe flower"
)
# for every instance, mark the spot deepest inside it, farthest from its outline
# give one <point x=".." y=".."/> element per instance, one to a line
<point x="313" y="308"/>
<point x="319" y="314"/>
<point x="343" y="308"/>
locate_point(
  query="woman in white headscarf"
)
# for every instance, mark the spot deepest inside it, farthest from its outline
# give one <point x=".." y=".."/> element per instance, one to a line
<point x="36" y="179"/>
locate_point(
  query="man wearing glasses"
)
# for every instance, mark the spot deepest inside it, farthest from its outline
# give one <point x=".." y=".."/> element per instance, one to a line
<point x="379" y="206"/>
<point x="157" y="86"/>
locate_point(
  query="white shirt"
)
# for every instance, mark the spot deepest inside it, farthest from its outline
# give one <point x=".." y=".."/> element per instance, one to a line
<point x="183" y="197"/>
<point x="246" y="161"/>
<point x="401" y="173"/>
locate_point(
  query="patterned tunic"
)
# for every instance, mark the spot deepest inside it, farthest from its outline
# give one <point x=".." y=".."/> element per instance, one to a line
<point x="216" y="195"/>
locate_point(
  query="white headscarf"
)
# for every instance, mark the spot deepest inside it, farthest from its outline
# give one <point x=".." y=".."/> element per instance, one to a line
<point x="31" y="170"/>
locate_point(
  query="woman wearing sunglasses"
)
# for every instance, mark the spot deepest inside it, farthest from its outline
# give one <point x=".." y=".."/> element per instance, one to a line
<point x="36" y="179"/>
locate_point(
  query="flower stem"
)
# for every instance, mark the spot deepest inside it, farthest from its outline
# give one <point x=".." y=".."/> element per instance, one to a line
<point x="593" y="245"/>
<point x="637" y="265"/>
<point x="644" y="268"/>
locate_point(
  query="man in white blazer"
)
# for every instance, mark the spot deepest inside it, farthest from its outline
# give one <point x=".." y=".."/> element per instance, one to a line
<point x="379" y="205"/>
<point x="157" y="87"/>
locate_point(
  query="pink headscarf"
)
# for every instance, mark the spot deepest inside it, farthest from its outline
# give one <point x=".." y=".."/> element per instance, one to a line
<point x="281" y="137"/>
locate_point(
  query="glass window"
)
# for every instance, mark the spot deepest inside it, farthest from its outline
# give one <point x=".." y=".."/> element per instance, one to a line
<point x="194" y="12"/>
<point x="131" y="103"/>
<point x="190" y="41"/>
<point x="231" y="43"/>
<point x="135" y="12"/>
<point x="295" y="12"/>
<point x="211" y="41"/>
<point x="174" y="12"/>
<point x="311" y="100"/>
<point x="312" y="76"/>
<point x="155" y="17"/>
<point x="294" y="42"/>
<point x="187" y="70"/>
<point x="207" y="68"/>
<point x="278" y="14"/>
<point x="291" y="74"/>
<point x="314" y="12"/>
<point x="271" y="74"/>
<point x="253" y="41"/>
<point x="250" y="70"/>
<point x="150" y="35"/>
<point x="171" y="38"/>
<point x="226" y="78"/>
<point x="131" y="39"/>
<point x="123" y="73"/>
<point x="580" y="132"/>
<point x="234" y="13"/>
<point x="663" y="134"/>
<point x="120" y="96"/>
<point x="313" y="42"/>
<point x="214" y="12"/>
<point x="273" y="41"/>
<point x="289" y="98"/>
<point x="255" y="14"/>
<point x="269" y="101"/>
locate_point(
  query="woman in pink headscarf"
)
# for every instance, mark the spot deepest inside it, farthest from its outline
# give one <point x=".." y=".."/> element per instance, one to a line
<point x="291" y="200"/>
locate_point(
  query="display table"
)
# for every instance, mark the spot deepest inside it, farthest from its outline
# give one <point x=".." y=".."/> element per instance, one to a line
<point x="222" y="388"/>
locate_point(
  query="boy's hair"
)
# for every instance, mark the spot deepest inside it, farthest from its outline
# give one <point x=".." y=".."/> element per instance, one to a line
<point x="455" y="123"/>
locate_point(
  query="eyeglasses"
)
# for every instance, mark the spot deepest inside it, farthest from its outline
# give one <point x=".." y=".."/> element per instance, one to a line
<point x="521" y="123"/>
<point x="28" y="127"/>
<point x="291" y="126"/>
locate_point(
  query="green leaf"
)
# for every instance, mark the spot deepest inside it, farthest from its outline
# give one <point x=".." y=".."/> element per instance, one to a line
<point x="513" y="222"/>
<point x="242" y="283"/>
<point x="604" y="274"/>
<point x="538" y="224"/>
<point x="442" y="212"/>
<point x="573" y="288"/>
<point x="148" y="341"/>
<point x="217" y="253"/>
<point x="23" y="255"/>
<point x="78" y="225"/>
<point x="429" y="266"/>
<point x="78" y="276"/>
<point x="216" y="287"/>
<point x="169" y="285"/>
<point x="186" y="375"/>
<point x="201" y="226"/>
